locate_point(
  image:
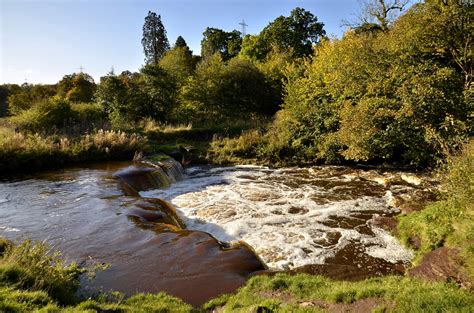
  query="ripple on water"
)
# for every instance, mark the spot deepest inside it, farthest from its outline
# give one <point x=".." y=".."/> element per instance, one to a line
<point x="291" y="217"/>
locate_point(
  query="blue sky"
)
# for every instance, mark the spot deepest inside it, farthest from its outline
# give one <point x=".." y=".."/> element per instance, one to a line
<point x="42" y="40"/>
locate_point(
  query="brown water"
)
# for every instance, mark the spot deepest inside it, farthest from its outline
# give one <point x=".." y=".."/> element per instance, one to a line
<point x="83" y="213"/>
<point x="313" y="220"/>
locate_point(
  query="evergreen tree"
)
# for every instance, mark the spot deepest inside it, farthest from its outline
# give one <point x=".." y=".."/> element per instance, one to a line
<point x="180" y="42"/>
<point x="154" y="41"/>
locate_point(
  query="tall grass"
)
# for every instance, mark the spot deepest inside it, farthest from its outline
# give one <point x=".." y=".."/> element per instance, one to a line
<point x="34" y="278"/>
<point x="21" y="151"/>
<point x="34" y="267"/>
<point x="243" y="149"/>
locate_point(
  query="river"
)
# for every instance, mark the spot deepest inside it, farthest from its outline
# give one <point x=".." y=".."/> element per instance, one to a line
<point x="263" y="219"/>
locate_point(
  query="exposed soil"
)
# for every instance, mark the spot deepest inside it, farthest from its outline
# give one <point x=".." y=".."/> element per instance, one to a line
<point x="443" y="264"/>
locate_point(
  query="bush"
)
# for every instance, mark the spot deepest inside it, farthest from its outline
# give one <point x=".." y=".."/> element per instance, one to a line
<point x="235" y="150"/>
<point x="47" y="115"/>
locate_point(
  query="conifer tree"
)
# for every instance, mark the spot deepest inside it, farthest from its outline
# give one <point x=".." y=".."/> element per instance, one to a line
<point x="154" y="41"/>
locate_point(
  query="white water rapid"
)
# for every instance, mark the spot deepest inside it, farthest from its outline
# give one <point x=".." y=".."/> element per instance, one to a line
<point x="291" y="216"/>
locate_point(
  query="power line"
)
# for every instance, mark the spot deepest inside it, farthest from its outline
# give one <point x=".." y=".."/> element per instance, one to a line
<point x="243" y="27"/>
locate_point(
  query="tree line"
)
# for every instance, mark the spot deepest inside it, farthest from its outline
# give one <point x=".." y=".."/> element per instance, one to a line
<point x="396" y="87"/>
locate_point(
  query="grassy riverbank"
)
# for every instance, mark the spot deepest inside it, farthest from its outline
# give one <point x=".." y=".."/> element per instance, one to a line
<point x="449" y="222"/>
<point x="31" y="280"/>
<point x="29" y="152"/>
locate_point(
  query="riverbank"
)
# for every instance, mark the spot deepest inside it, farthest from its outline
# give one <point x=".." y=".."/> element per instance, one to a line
<point x="22" y="152"/>
<point x="28" y="152"/>
<point x="29" y="279"/>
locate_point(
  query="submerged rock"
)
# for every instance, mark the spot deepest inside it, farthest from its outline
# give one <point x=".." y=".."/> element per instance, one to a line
<point x="149" y="212"/>
<point x="346" y="264"/>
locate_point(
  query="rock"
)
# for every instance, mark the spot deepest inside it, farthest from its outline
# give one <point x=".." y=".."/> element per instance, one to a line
<point x="443" y="264"/>
<point x="352" y="264"/>
<point x="387" y="223"/>
<point x="413" y="200"/>
<point x="411" y="179"/>
<point x="148" y="212"/>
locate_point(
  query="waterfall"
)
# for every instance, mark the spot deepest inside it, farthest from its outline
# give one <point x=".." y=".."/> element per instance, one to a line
<point x="173" y="169"/>
<point x="155" y="175"/>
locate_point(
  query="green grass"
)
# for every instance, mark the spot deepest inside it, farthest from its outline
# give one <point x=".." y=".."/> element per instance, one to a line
<point x="284" y="293"/>
<point x="167" y="139"/>
<point x="33" y="278"/>
<point x="450" y="221"/>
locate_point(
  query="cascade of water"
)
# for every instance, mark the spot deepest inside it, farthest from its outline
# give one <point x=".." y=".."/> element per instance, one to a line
<point x="161" y="177"/>
<point x="173" y="169"/>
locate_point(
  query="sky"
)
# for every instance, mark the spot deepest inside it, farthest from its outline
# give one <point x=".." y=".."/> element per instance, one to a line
<point x="43" y="40"/>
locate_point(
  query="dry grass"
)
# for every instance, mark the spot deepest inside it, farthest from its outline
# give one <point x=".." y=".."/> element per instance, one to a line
<point x="28" y="152"/>
<point x="150" y="125"/>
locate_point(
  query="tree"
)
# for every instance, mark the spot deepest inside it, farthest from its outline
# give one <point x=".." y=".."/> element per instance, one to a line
<point x="216" y="40"/>
<point x="299" y="32"/>
<point x="154" y="41"/>
<point x="82" y="88"/>
<point x="130" y="96"/>
<point x="23" y="97"/>
<point x="160" y="89"/>
<point x="225" y="90"/>
<point x="395" y="96"/>
<point x="179" y="64"/>
<point x="377" y="15"/>
<point x="180" y="42"/>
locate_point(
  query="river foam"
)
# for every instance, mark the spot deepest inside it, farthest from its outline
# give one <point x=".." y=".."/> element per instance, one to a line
<point x="292" y="216"/>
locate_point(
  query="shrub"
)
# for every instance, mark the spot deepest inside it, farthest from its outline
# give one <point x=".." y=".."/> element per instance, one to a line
<point x="47" y="115"/>
<point x="34" y="267"/>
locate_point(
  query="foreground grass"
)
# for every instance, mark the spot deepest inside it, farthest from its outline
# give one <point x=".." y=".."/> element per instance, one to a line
<point x="449" y="222"/>
<point x="20" y="152"/>
<point x="305" y="293"/>
<point x="33" y="278"/>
